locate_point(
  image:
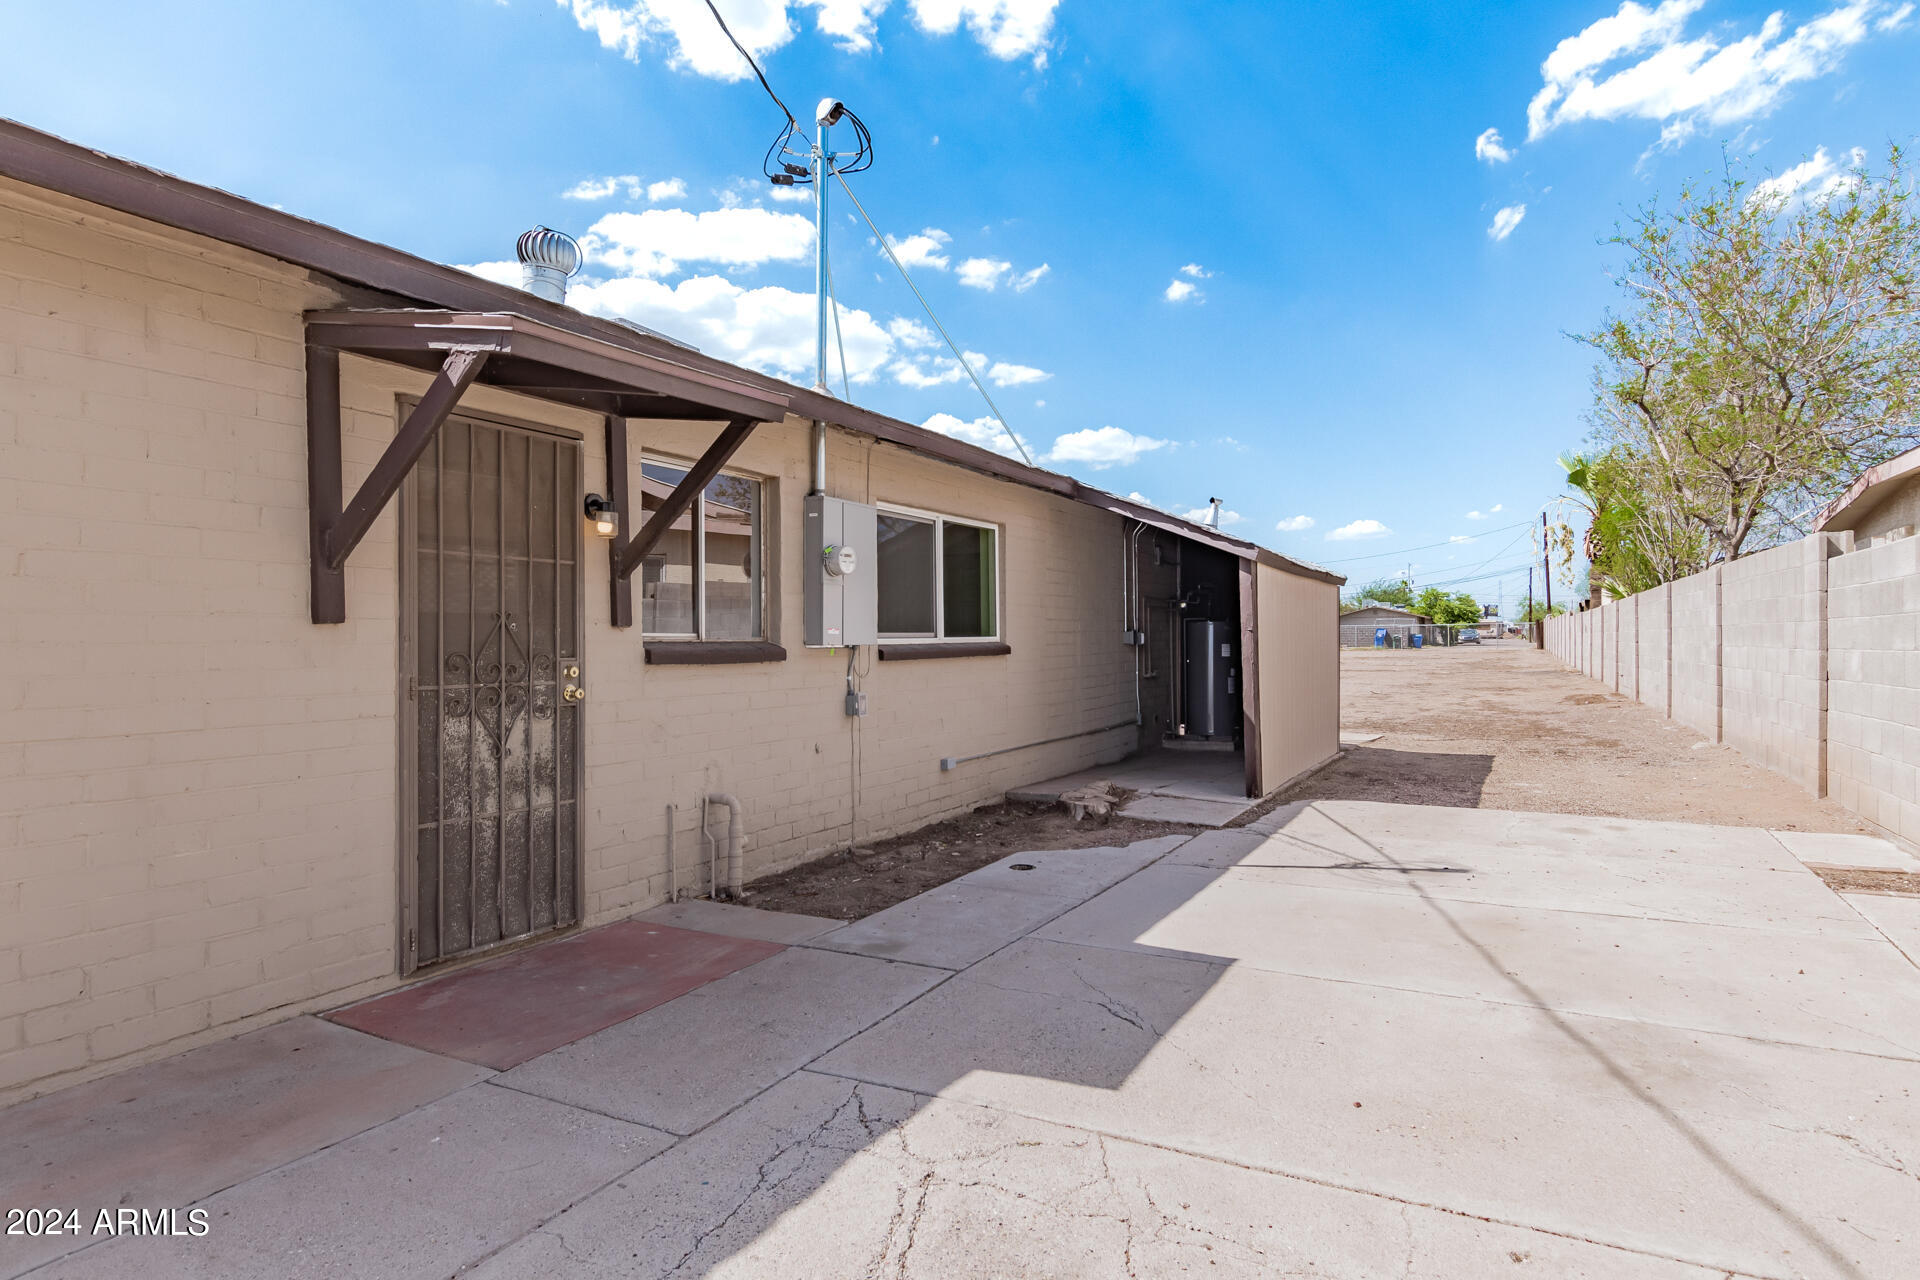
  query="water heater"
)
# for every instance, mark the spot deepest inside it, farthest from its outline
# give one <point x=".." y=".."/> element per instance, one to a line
<point x="1208" y="679"/>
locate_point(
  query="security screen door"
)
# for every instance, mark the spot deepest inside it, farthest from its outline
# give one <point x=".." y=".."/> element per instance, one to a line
<point x="491" y="663"/>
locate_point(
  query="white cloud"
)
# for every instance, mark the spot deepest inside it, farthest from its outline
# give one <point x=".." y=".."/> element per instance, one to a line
<point x="1499" y="506"/>
<point x="1667" y="76"/>
<point x="910" y="334"/>
<point x="1103" y="447"/>
<point x="1027" y="279"/>
<point x="667" y="189"/>
<point x="848" y="22"/>
<point x="1490" y="148"/>
<point x="1476" y="515"/>
<point x="985" y="432"/>
<point x="655" y="242"/>
<point x="1194" y="271"/>
<point x="983" y="273"/>
<point x="770" y="328"/>
<point x="693" y="41"/>
<point x="1358" y="529"/>
<point x="1008" y="29"/>
<point x="1295" y="524"/>
<point x="1461" y="537"/>
<point x="498" y="272"/>
<point x="921" y="372"/>
<point x="1505" y="221"/>
<point x="1181" y="291"/>
<point x="626" y="184"/>
<point x="1204" y="515"/>
<point x="924" y="250"/>
<point x="1003" y="374"/>
<point x="1811" y="181"/>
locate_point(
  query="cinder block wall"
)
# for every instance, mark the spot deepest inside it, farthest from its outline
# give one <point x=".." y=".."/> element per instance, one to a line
<point x="1772" y="655"/>
<point x="198" y="785"/>
<point x="1873" y="684"/>
<point x="1653" y="615"/>
<point x="1695" y="609"/>
<point x="1626" y="657"/>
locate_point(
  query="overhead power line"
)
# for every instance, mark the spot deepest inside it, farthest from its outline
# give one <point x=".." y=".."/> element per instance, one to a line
<point x="1376" y="555"/>
<point x="728" y="32"/>
<point x="928" y="308"/>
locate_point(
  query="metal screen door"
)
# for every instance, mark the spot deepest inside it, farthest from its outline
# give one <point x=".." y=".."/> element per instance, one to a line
<point x="491" y="653"/>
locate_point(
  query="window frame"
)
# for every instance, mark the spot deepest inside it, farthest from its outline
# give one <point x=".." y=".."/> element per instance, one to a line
<point x="697" y="513"/>
<point x="940" y="522"/>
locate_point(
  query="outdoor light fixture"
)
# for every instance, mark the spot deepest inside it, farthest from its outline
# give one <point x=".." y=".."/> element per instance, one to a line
<point x="606" y="521"/>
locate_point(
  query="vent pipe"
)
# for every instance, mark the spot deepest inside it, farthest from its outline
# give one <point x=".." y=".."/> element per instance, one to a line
<point x="547" y="258"/>
<point x="1213" y="516"/>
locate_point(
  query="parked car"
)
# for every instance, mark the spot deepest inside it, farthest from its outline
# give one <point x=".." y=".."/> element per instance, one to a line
<point x="1470" y="636"/>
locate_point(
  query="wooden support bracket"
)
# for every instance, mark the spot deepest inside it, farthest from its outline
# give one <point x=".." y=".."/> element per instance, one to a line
<point x="333" y="530"/>
<point x="626" y="554"/>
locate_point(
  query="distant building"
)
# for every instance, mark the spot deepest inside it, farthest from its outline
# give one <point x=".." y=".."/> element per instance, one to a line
<point x="1357" y="628"/>
<point x="1882" y="504"/>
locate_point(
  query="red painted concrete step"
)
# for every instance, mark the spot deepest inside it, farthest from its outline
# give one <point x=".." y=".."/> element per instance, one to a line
<point x="505" y="1011"/>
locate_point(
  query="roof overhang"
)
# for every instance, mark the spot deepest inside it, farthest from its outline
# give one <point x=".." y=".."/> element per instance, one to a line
<point x="536" y="359"/>
<point x="1205" y="535"/>
<point x="1868" y="490"/>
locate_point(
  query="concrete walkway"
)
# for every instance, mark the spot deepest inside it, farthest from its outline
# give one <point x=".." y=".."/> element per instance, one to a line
<point x="1351" y="1040"/>
<point x="1202" y="787"/>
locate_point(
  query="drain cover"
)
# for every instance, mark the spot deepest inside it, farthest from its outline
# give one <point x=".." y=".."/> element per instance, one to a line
<point x="1021" y="866"/>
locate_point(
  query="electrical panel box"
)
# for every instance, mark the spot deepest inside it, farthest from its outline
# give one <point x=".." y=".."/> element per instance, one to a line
<point x="840" y="573"/>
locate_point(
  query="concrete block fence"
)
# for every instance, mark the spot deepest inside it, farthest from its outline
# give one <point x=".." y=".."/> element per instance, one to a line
<point x="1805" y="657"/>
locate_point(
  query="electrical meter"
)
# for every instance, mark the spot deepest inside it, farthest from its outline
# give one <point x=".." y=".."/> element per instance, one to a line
<point x="842" y="590"/>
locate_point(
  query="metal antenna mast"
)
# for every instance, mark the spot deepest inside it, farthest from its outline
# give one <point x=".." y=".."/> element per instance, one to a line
<point x="822" y="162"/>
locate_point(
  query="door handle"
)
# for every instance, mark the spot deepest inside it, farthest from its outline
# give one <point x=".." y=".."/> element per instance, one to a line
<point x="573" y="693"/>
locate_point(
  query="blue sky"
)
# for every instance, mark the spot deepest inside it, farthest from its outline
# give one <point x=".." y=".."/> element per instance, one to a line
<point x="1251" y="251"/>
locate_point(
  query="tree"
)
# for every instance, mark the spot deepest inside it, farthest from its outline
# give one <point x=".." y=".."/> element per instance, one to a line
<point x="1391" y="591"/>
<point x="1457" y="609"/>
<point x="1770" y="352"/>
<point x="1633" y="539"/>
<point x="1538" y="610"/>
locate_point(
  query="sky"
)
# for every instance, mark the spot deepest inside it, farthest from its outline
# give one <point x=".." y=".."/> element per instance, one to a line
<point x="1322" y="262"/>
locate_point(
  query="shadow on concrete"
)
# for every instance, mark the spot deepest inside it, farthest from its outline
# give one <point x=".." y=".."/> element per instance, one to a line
<point x="1452" y="780"/>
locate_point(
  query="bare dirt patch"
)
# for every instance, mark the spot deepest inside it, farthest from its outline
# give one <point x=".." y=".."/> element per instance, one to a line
<point x="1504" y="726"/>
<point x="1868" y="880"/>
<point x="859" y="882"/>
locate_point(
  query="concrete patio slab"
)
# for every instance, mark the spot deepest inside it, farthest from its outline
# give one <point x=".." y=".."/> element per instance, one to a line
<point x="734" y="921"/>
<point x="1838" y="849"/>
<point x="176" y="1131"/>
<point x="1078" y="873"/>
<point x="1187" y="809"/>
<point x="1719" y="1150"/>
<point x="1790" y="900"/>
<point x="688" y="1062"/>
<point x="1854" y="993"/>
<point x="422" y="1196"/>
<point x="505" y="1011"/>
<point x="949" y="927"/>
<point x="1897" y="918"/>
<point x="821" y="1179"/>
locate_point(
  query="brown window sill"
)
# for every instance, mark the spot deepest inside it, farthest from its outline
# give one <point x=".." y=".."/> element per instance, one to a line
<point x="966" y="649"/>
<point x="709" y="653"/>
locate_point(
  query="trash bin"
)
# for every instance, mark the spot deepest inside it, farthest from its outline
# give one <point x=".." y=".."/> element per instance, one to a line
<point x="1416" y="641"/>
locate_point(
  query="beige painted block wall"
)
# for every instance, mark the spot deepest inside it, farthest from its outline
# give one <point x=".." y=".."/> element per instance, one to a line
<point x="1695" y="606"/>
<point x="197" y="785"/>
<point x="1299" y="674"/>
<point x="1652" y="661"/>
<point x="1772" y="659"/>
<point x="1873" y="684"/>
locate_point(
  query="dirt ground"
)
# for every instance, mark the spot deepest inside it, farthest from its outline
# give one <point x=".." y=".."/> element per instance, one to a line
<point x="851" y="885"/>
<point x="1499" y="726"/>
<point x="1504" y="726"/>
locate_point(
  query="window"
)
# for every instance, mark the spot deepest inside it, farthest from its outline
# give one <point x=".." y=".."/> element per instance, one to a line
<point x="938" y="578"/>
<point x="704" y="579"/>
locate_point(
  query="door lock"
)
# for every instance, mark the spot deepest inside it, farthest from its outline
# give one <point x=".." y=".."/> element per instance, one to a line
<point x="573" y="693"/>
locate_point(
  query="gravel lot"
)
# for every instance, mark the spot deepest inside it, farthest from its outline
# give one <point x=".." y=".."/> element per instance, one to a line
<point x="1504" y="726"/>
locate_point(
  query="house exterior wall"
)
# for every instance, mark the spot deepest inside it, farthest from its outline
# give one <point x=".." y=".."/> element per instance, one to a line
<point x="1299" y="674"/>
<point x="1898" y="509"/>
<point x="198" y="785"/>
<point x="1873" y="685"/>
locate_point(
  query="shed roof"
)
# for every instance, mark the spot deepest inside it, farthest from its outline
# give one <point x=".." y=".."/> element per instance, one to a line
<point x="40" y="159"/>
<point x="1868" y="490"/>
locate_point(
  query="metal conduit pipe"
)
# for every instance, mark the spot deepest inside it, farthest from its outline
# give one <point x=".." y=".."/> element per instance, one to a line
<point x="736" y="832"/>
<point x="819" y="478"/>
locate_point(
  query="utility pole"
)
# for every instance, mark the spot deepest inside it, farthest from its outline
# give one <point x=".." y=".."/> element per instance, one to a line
<point x="822" y="168"/>
<point x="1535" y="627"/>
<point x="1546" y="575"/>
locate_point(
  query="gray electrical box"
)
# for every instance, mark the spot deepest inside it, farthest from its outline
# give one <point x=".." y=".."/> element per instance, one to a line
<point x="839" y="571"/>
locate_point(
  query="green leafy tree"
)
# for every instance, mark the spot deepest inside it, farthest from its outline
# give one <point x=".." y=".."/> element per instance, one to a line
<point x="1770" y="351"/>
<point x="1389" y="591"/>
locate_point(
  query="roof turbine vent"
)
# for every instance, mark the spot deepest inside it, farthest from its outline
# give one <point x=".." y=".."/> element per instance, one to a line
<point x="547" y="258"/>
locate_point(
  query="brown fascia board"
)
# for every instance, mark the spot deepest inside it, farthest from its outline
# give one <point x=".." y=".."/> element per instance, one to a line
<point x="40" y="159"/>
